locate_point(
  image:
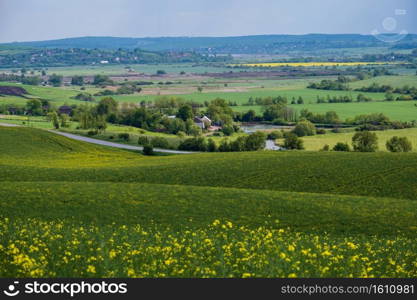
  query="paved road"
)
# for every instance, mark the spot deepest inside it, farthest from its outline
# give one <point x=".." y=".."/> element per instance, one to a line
<point x="115" y="145"/>
<point x="8" y="125"/>
<point x="104" y="143"/>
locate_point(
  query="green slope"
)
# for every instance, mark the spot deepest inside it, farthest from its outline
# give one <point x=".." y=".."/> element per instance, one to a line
<point x="69" y="209"/>
<point x="373" y="174"/>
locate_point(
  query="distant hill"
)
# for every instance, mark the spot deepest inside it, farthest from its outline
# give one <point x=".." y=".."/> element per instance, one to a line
<point x="237" y="44"/>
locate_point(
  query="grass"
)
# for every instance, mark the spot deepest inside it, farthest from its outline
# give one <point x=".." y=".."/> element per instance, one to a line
<point x="288" y="171"/>
<point x="315" y="143"/>
<point x="70" y="209"/>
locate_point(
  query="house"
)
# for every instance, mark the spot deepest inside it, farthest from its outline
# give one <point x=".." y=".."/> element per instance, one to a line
<point x="65" y="109"/>
<point x="203" y="122"/>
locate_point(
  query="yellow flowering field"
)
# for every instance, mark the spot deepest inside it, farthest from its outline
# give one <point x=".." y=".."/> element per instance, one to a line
<point x="312" y="64"/>
<point x="34" y="248"/>
<point x="69" y="209"/>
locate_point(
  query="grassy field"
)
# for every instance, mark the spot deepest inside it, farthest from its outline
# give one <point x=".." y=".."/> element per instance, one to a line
<point x="241" y="90"/>
<point x="72" y="209"/>
<point x="315" y="143"/>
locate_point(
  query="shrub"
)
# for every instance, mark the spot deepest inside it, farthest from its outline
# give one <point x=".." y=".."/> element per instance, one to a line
<point x="321" y="131"/>
<point x="160" y="142"/>
<point x="92" y="132"/>
<point x="293" y="142"/>
<point x="304" y="128"/>
<point x="344" y="147"/>
<point x="194" y="144"/>
<point x="325" y="148"/>
<point x="255" y="141"/>
<point x="365" y="141"/>
<point x="211" y="145"/>
<point x="124" y="136"/>
<point x="143" y="140"/>
<point x="273" y="135"/>
<point x="148" y="149"/>
<point x="399" y="144"/>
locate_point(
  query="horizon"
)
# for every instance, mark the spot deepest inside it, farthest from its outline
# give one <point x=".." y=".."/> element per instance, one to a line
<point x="185" y="36"/>
<point x="51" y="20"/>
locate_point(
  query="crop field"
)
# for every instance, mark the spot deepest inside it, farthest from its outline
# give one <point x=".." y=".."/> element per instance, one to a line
<point x="116" y="213"/>
<point x="312" y="64"/>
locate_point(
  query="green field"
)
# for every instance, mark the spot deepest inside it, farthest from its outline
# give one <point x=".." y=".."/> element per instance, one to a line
<point x="315" y="143"/>
<point x="73" y="209"/>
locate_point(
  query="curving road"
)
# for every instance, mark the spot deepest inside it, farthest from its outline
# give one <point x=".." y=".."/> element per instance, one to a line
<point x="114" y="145"/>
<point x="104" y="143"/>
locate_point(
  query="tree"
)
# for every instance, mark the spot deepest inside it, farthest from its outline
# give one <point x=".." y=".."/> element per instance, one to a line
<point x="255" y="141"/>
<point x="399" y="144"/>
<point x="273" y="135"/>
<point x="160" y="72"/>
<point x="34" y="107"/>
<point x="77" y="80"/>
<point x="64" y="120"/>
<point x="102" y="80"/>
<point x="293" y="142"/>
<point x="148" y="149"/>
<point x="365" y="141"/>
<point x="304" y="128"/>
<point x="54" y="119"/>
<point x="185" y="112"/>
<point x="211" y="145"/>
<point x="106" y="106"/>
<point x="249" y="116"/>
<point x="200" y="89"/>
<point x="55" y="80"/>
<point x="238" y="145"/>
<point x="194" y="144"/>
<point x="344" y="147"/>
<point x="194" y="130"/>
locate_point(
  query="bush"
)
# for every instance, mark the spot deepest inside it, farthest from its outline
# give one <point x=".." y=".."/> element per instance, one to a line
<point x="124" y="136"/>
<point x="293" y="142"/>
<point x="255" y="141"/>
<point x="211" y="145"/>
<point x="365" y="141"/>
<point x="273" y="135"/>
<point x="399" y="144"/>
<point x="194" y="144"/>
<point x="304" y="128"/>
<point x="92" y="132"/>
<point x="160" y="142"/>
<point x="325" y="148"/>
<point x="148" y="149"/>
<point x="344" y="147"/>
<point x="321" y="131"/>
<point x="143" y="140"/>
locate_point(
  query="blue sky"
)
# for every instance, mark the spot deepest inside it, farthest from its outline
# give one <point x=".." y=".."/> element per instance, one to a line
<point x="27" y="20"/>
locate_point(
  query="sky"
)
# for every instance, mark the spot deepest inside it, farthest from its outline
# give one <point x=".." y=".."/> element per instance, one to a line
<point x="33" y="20"/>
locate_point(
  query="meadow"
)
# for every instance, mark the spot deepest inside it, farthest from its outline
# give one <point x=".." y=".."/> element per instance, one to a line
<point x="315" y="143"/>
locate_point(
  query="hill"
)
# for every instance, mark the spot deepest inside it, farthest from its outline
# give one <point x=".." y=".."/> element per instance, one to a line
<point x="238" y="44"/>
<point x="70" y="209"/>
<point x="372" y="174"/>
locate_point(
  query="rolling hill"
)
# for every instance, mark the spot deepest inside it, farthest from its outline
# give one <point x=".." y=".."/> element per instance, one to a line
<point x="73" y="209"/>
<point x="237" y="44"/>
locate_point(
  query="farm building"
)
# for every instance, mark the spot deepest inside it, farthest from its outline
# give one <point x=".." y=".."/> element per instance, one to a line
<point x="203" y="122"/>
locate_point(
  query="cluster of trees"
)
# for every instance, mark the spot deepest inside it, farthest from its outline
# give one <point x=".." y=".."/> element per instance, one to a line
<point x="340" y="84"/>
<point x="330" y="117"/>
<point x="155" y="118"/>
<point x="366" y="141"/>
<point x="76" y="56"/>
<point x="267" y="100"/>
<point x="377" y="121"/>
<point x="408" y="93"/>
<point x="252" y="142"/>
